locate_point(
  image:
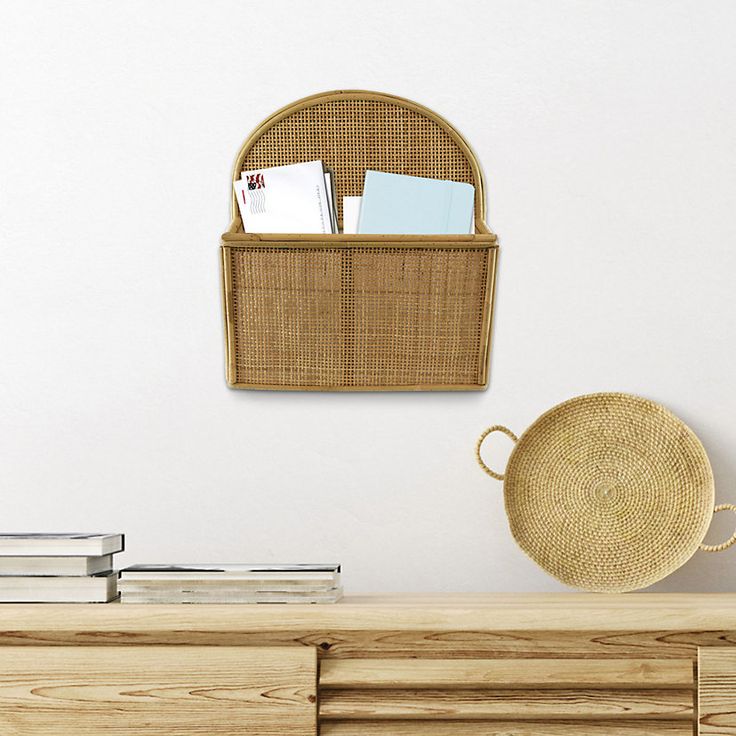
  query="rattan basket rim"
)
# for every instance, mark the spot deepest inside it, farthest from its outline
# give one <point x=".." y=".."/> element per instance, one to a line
<point x="599" y="394"/>
<point x="358" y="94"/>
<point x="479" y="241"/>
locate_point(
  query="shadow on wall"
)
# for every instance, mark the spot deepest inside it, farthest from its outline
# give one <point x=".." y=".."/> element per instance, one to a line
<point x="708" y="572"/>
<point x="704" y="573"/>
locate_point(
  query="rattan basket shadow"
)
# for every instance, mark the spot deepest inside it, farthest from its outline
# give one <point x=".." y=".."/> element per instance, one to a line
<point x="359" y="312"/>
<point x="608" y="492"/>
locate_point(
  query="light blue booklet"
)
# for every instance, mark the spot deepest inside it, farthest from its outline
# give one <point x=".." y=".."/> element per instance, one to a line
<point x="398" y="204"/>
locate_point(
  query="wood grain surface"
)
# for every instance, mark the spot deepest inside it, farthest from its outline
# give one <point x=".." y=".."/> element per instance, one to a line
<point x="441" y="665"/>
<point x="157" y="691"/>
<point x="506" y="704"/>
<point x="717" y="692"/>
<point x="505" y="728"/>
<point x="506" y="673"/>
<point x="441" y="612"/>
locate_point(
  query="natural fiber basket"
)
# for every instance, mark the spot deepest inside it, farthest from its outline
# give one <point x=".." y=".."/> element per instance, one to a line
<point x="608" y="492"/>
<point x="359" y="312"/>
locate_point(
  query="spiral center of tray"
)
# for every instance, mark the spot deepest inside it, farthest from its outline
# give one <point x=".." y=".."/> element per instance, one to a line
<point x="605" y="490"/>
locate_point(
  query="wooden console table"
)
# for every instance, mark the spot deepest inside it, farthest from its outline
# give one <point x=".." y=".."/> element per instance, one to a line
<point x="399" y="665"/>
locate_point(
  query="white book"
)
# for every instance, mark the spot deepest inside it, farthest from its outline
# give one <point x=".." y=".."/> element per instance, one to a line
<point x="249" y="587"/>
<point x="90" y="589"/>
<point x="60" y="545"/>
<point x="284" y="199"/>
<point x="224" y="593"/>
<point x="55" y="565"/>
<point x="223" y="582"/>
<point x="396" y="203"/>
<point x="232" y="571"/>
<point x="235" y="597"/>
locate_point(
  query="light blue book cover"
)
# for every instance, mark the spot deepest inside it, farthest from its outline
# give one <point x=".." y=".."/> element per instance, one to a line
<point x="399" y="204"/>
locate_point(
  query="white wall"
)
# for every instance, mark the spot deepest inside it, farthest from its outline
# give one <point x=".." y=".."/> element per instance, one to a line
<point x="606" y="130"/>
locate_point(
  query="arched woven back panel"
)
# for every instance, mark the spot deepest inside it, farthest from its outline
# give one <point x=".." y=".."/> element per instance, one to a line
<point x="339" y="312"/>
<point x="352" y="131"/>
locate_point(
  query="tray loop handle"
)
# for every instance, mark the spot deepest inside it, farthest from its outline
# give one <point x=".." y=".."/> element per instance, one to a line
<point x="508" y="433"/>
<point x="728" y="542"/>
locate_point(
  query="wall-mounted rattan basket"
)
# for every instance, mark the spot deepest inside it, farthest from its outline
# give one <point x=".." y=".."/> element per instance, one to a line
<point x="359" y="312"/>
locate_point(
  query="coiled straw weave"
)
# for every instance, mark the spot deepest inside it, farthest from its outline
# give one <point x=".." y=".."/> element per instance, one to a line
<point x="608" y="492"/>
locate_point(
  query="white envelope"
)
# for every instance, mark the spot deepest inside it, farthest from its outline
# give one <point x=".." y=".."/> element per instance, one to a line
<point x="350" y="214"/>
<point x="284" y="199"/>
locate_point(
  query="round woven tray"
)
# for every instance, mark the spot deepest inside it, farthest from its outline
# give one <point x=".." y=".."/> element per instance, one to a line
<point x="608" y="492"/>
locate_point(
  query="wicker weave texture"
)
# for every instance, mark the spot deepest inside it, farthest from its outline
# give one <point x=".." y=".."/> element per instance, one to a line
<point x="358" y="317"/>
<point x="609" y="492"/>
<point x="351" y="135"/>
<point x="384" y="312"/>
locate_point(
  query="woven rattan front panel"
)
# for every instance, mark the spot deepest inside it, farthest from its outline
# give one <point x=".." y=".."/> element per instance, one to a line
<point x="360" y="317"/>
<point x="352" y="135"/>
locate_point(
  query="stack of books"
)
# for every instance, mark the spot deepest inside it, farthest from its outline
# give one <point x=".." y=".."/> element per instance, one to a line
<point x="58" y="568"/>
<point x="230" y="584"/>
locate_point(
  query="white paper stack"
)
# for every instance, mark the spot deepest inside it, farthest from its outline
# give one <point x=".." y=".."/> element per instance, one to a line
<point x="58" y="568"/>
<point x="298" y="198"/>
<point x="230" y="583"/>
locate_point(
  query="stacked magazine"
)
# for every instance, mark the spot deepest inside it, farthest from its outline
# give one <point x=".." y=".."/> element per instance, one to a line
<point x="58" y="568"/>
<point x="236" y="583"/>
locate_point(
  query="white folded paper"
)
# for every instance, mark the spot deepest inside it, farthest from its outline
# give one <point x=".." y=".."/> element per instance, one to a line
<point x="350" y="214"/>
<point x="284" y="199"/>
